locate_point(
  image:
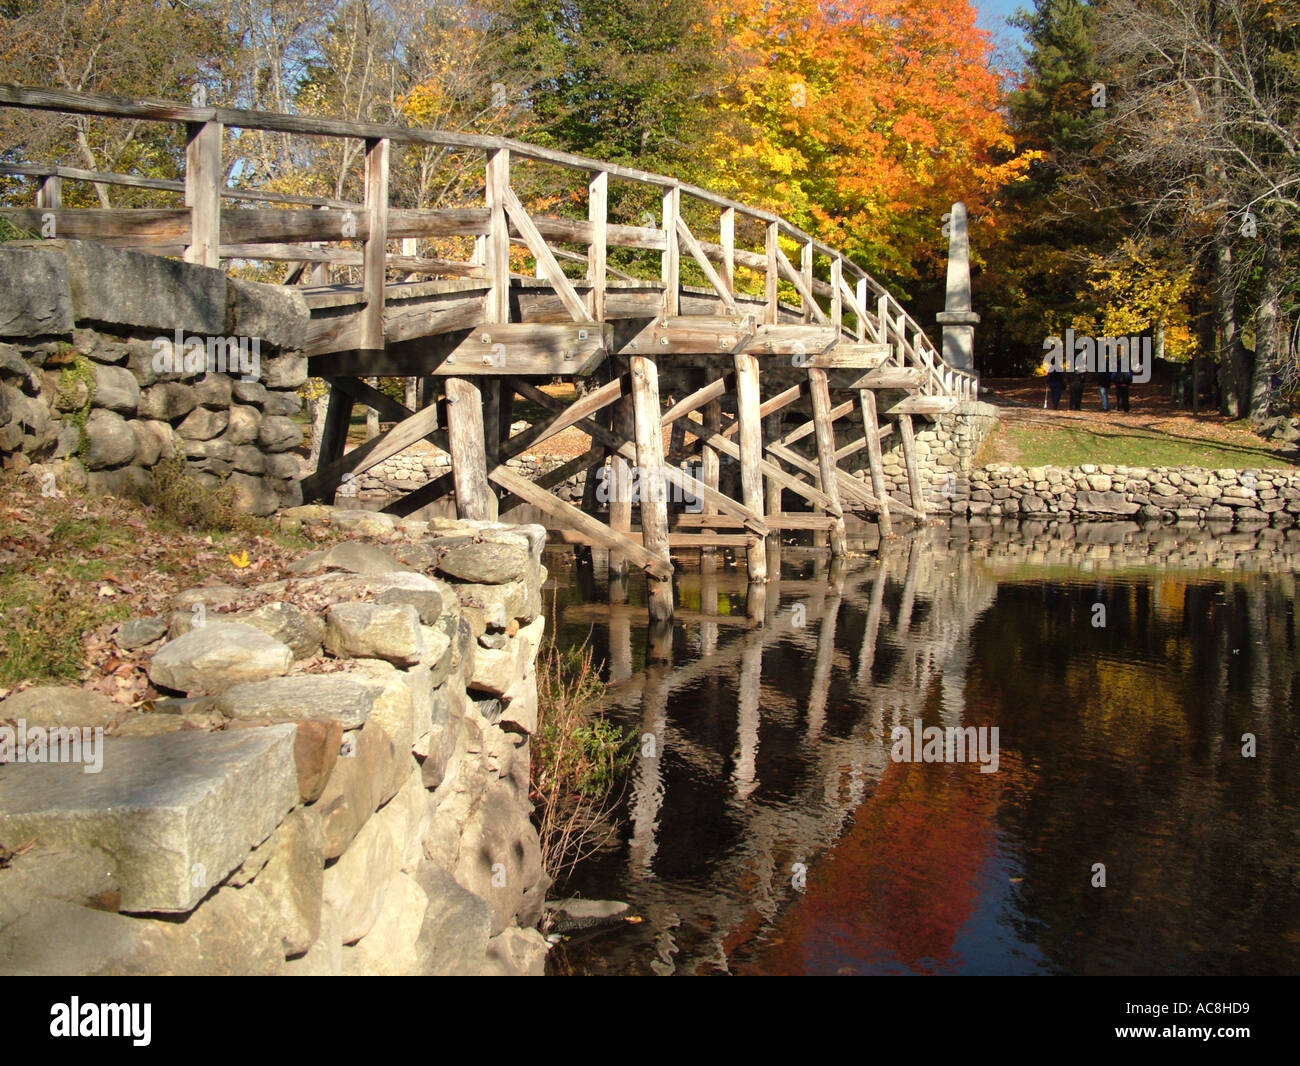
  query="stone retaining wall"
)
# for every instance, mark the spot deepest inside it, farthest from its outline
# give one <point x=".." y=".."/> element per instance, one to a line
<point x="945" y="452"/>
<point x="1151" y="494"/>
<point x="338" y="785"/>
<point x="412" y="469"/>
<point x="84" y="329"/>
<point x="945" y="455"/>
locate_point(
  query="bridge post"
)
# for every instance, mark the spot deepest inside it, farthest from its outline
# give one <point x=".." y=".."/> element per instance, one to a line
<point x="597" y="251"/>
<point x="620" y="473"/>
<point x="49" y="192"/>
<point x="909" y="460"/>
<point x="203" y="175"/>
<point x="465" y="413"/>
<point x="654" y="502"/>
<point x="374" y="251"/>
<point x="334" y="434"/>
<point x="885" y="326"/>
<point x="671" y="259"/>
<point x="710" y="464"/>
<point x="748" y="402"/>
<point x="772" y="427"/>
<point x="497" y="250"/>
<point x="772" y="248"/>
<point x="806" y="271"/>
<point x="649" y="437"/>
<point x="825" y="433"/>
<point x="871" y="426"/>
<point x="474" y="499"/>
<point x="727" y="237"/>
<point x="837" y="298"/>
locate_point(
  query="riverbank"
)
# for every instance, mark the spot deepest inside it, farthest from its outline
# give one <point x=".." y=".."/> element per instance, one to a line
<point x="1154" y="432"/>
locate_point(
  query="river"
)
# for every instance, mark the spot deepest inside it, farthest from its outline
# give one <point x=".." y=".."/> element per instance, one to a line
<point x="1142" y="815"/>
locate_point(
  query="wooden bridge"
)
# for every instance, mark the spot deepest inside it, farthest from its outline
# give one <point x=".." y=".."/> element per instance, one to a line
<point x="750" y="376"/>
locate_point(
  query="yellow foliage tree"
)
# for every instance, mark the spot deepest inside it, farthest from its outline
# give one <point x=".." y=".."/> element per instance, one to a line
<point x="1135" y="291"/>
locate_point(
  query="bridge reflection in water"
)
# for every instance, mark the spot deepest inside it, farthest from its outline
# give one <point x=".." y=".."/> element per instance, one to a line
<point x="1119" y="745"/>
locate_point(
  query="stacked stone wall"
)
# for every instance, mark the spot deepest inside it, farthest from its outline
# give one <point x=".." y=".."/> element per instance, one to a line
<point x="94" y="391"/>
<point x="337" y="781"/>
<point x="1145" y="494"/>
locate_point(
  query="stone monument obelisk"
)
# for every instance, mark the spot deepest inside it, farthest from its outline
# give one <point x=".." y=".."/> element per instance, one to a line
<point x="957" y="318"/>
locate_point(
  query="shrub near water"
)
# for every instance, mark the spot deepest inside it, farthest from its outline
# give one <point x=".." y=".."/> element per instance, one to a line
<point x="579" y="760"/>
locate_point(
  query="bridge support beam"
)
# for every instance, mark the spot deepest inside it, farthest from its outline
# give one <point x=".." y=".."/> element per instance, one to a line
<point x="620" y="474"/>
<point x="334" y="434"/>
<point x="909" y="460"/>
<point x="825" y="432"/>
<point x="871" y="428"/>
<point x="709" y="461"/>
<point x="748" y="402"/>
<point x="771" y="434"/>
<point x="474" y="497"/>
<point x="654" y="504"/>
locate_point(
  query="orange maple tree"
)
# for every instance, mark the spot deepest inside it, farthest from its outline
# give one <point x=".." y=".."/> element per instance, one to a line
<point x="862" y="120"/>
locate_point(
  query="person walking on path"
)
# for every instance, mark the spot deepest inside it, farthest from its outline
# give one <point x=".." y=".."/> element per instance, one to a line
<point x="1055" y="386"/>
<point x="1103" y="387"/>
<point x="1076" y="391"/>
<point x="1123" y="379"/>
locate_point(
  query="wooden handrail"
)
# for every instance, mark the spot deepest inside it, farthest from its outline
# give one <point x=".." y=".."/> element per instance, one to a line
<point x="314" y="126"/>
<point x="133" y="181"/>
<point x="375" y="220"/>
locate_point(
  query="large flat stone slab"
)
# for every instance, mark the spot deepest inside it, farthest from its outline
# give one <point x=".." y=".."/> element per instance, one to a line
<point x="176" y="812"/>
<point x="306" y="696"/>
<point x="116" y="286"/>
<point x="34" y="297"/>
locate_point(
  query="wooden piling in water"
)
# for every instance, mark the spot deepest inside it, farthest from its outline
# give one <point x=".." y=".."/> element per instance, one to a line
<point x="650" y="460"/>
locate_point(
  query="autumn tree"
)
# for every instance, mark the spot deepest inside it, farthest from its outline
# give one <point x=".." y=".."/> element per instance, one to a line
<point x="628" y="83"/>
<point x="1133" y="291"/>
<point x="1209" y="105"/>
<point x="1038" y="262"/>
<point x="862" y="121"/>
<point x="124" y="48"/>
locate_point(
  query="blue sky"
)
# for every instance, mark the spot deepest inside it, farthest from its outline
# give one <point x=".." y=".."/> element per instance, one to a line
<point x="992" y="16"/>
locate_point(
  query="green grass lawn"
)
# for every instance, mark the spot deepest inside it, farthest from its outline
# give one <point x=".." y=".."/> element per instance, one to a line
<point x="1035" y="444"/>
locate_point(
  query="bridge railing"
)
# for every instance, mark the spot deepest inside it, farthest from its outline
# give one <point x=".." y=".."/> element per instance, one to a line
<point x="310" y="231"/>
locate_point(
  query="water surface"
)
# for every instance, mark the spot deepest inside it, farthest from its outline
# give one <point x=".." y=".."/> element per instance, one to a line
<point x="1121" y="698"/>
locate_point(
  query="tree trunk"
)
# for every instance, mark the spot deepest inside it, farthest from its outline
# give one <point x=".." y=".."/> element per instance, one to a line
<point x="1232" y="388"/>
<point x="1266" y="318"/>
<point x="1205" y="343"/>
